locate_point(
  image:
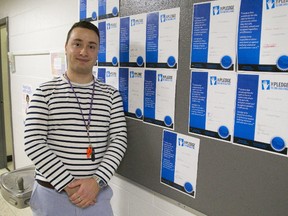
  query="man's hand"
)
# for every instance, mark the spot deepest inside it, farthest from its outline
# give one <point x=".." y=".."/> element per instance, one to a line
<point x="83" y="192"/>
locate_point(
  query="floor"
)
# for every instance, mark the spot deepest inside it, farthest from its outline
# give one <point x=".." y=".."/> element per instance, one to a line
<point x="8" y="209"/>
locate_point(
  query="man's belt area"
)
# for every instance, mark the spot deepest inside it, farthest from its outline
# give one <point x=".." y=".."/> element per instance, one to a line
<point x="45" y="184"/>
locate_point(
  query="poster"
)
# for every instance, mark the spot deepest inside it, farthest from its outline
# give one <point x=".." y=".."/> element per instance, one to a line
<point x="212" y="102"/>
<point x="26" y="97"/>
<point x="91" y="10"/>
<point x="214" y="30"/>
<point x="108" y="55"/>
<point x="88" y="10"/>
<point x="131" y="87"/>
<point x="108" y="9"/>
<point x="179" y="162"/>
<point x="58" y="63"/>
<point x="262" y="37"/>
<point x="109" y="75"/>
<point x="132" y="41"/>
<point x="162" y="38"/>
<point x="262" y="112"/>
<point x="159" y="97"/>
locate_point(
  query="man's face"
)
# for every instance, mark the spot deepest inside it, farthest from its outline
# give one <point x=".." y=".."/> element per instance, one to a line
<point x="82" y="50"/>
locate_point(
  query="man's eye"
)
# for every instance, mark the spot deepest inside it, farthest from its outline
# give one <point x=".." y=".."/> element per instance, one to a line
<point x="92" y="47"/>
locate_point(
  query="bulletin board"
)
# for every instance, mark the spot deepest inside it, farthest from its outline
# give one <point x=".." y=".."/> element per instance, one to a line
<point x="231" y="180"/>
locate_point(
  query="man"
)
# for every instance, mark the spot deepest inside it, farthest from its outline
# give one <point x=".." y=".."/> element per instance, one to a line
<point x="75" y="134"/>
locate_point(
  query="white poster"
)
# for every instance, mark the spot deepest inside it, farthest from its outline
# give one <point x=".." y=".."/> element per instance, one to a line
<point x="212" y="102"/>
<point x="159" y="97"/>
<point x="88" y="10"/>
<point x="179" y="162"/>
<point x="261" y="112"/>
<point x="109" y="75"/>
<point x="131" y="87"/>
<point x="26" y="97"/>
<point x="213" y="40"/>
<point x="132" y="41"/>
<point x="108" y="55"/>
<point x="162" y="38"/>
<point x="262" y="37"/>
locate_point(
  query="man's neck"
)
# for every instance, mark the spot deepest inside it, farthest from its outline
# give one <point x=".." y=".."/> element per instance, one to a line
<point x="80" y="78"/>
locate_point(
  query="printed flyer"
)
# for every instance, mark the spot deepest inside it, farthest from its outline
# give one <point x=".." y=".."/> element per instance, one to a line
<point x="131" y="87"/>
<point x="109" y="75"/>
<point x="132" y="41"/>
<point x="159" y="97"/>
<point x="262" y="112"/>
<point x="262" y="36"/>
<point x="161" y="41"/>
<point x="108" y="55"/>
<point x="214" y="30"/>
<point x="179" y="162"/>
<point x="212" y="102"/>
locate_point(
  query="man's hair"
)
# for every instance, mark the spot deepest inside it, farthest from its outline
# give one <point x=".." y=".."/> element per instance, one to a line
<point x="83" y="24"/>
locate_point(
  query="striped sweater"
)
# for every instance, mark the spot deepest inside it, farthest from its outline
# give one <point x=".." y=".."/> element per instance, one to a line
<point x="56" y="137"/>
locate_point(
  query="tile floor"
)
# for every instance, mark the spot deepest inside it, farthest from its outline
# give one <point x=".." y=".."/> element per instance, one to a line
<point x="7" y="209"/>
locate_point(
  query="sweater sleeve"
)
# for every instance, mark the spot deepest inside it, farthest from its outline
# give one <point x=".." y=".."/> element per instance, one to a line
<point x="36" y="147"/>
<point x="117" y="140"/>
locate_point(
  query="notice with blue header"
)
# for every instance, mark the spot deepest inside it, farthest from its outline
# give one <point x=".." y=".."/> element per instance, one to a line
<point x="131" y="87"/>
<point x="159" y="97"/>
<point x="162" y="38"/>
<point x="132" y="41"/>
<point x="109" y="43"/>
<point x="263" y="33"/>
<point x="88" y="10"/>
<point x="179" y="162"/>
<point x="108" y="8"/>
<point x="109" y="75"/>
<point x="214" y="28"/>
<point x="262" y="112"/>
<point x="212" y="102"/>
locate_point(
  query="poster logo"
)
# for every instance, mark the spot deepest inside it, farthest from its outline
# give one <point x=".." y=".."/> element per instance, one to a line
<point x="265" y="84"/>
<point x="184" y="143"/>
<point x="271" y="4"/>
<point x="111" y="74"/>
<point x="167" y="17"/>
<point x="219" y="81"/>
<point x="271" y="85"/>
<point x="135" y="22"/>
<point x="134" y="74"/>
<point x="213" y="80"/>
<point x="111" y="26"/>
<point x="217" y="10"/>
<point x="164" y="78"/>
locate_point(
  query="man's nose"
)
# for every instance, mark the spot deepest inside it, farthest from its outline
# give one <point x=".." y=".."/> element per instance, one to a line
<point x="83" y="51"/>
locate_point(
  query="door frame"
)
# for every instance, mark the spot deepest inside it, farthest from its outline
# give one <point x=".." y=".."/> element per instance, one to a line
<point x="4" y="125"/>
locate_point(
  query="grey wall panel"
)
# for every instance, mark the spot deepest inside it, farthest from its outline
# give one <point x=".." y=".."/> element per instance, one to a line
<point x="231" y="180"/>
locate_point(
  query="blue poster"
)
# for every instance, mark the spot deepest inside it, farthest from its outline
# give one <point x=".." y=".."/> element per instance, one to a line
<point x="132" y="41"/>
<point x="108" y="55"/>
<point x="262" y="36"/>
<point x="212" y="101"/>
<point x="261" y="105"/>
<point x="179" y="162"/>
<point x="108" y="9"/>
<point x="159" y="97"/>
<point x="88" y="10"/>
<point x="131" y="87"/>
<point x="161" y="42"/>
<point x="213" y="40"/>
<point x="109" y="75"/>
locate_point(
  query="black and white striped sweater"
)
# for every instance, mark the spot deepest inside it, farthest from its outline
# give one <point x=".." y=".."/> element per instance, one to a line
<point x="56" y="137"/>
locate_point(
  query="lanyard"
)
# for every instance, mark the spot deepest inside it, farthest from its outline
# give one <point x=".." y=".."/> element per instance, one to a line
<point x="90" y="151"/>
